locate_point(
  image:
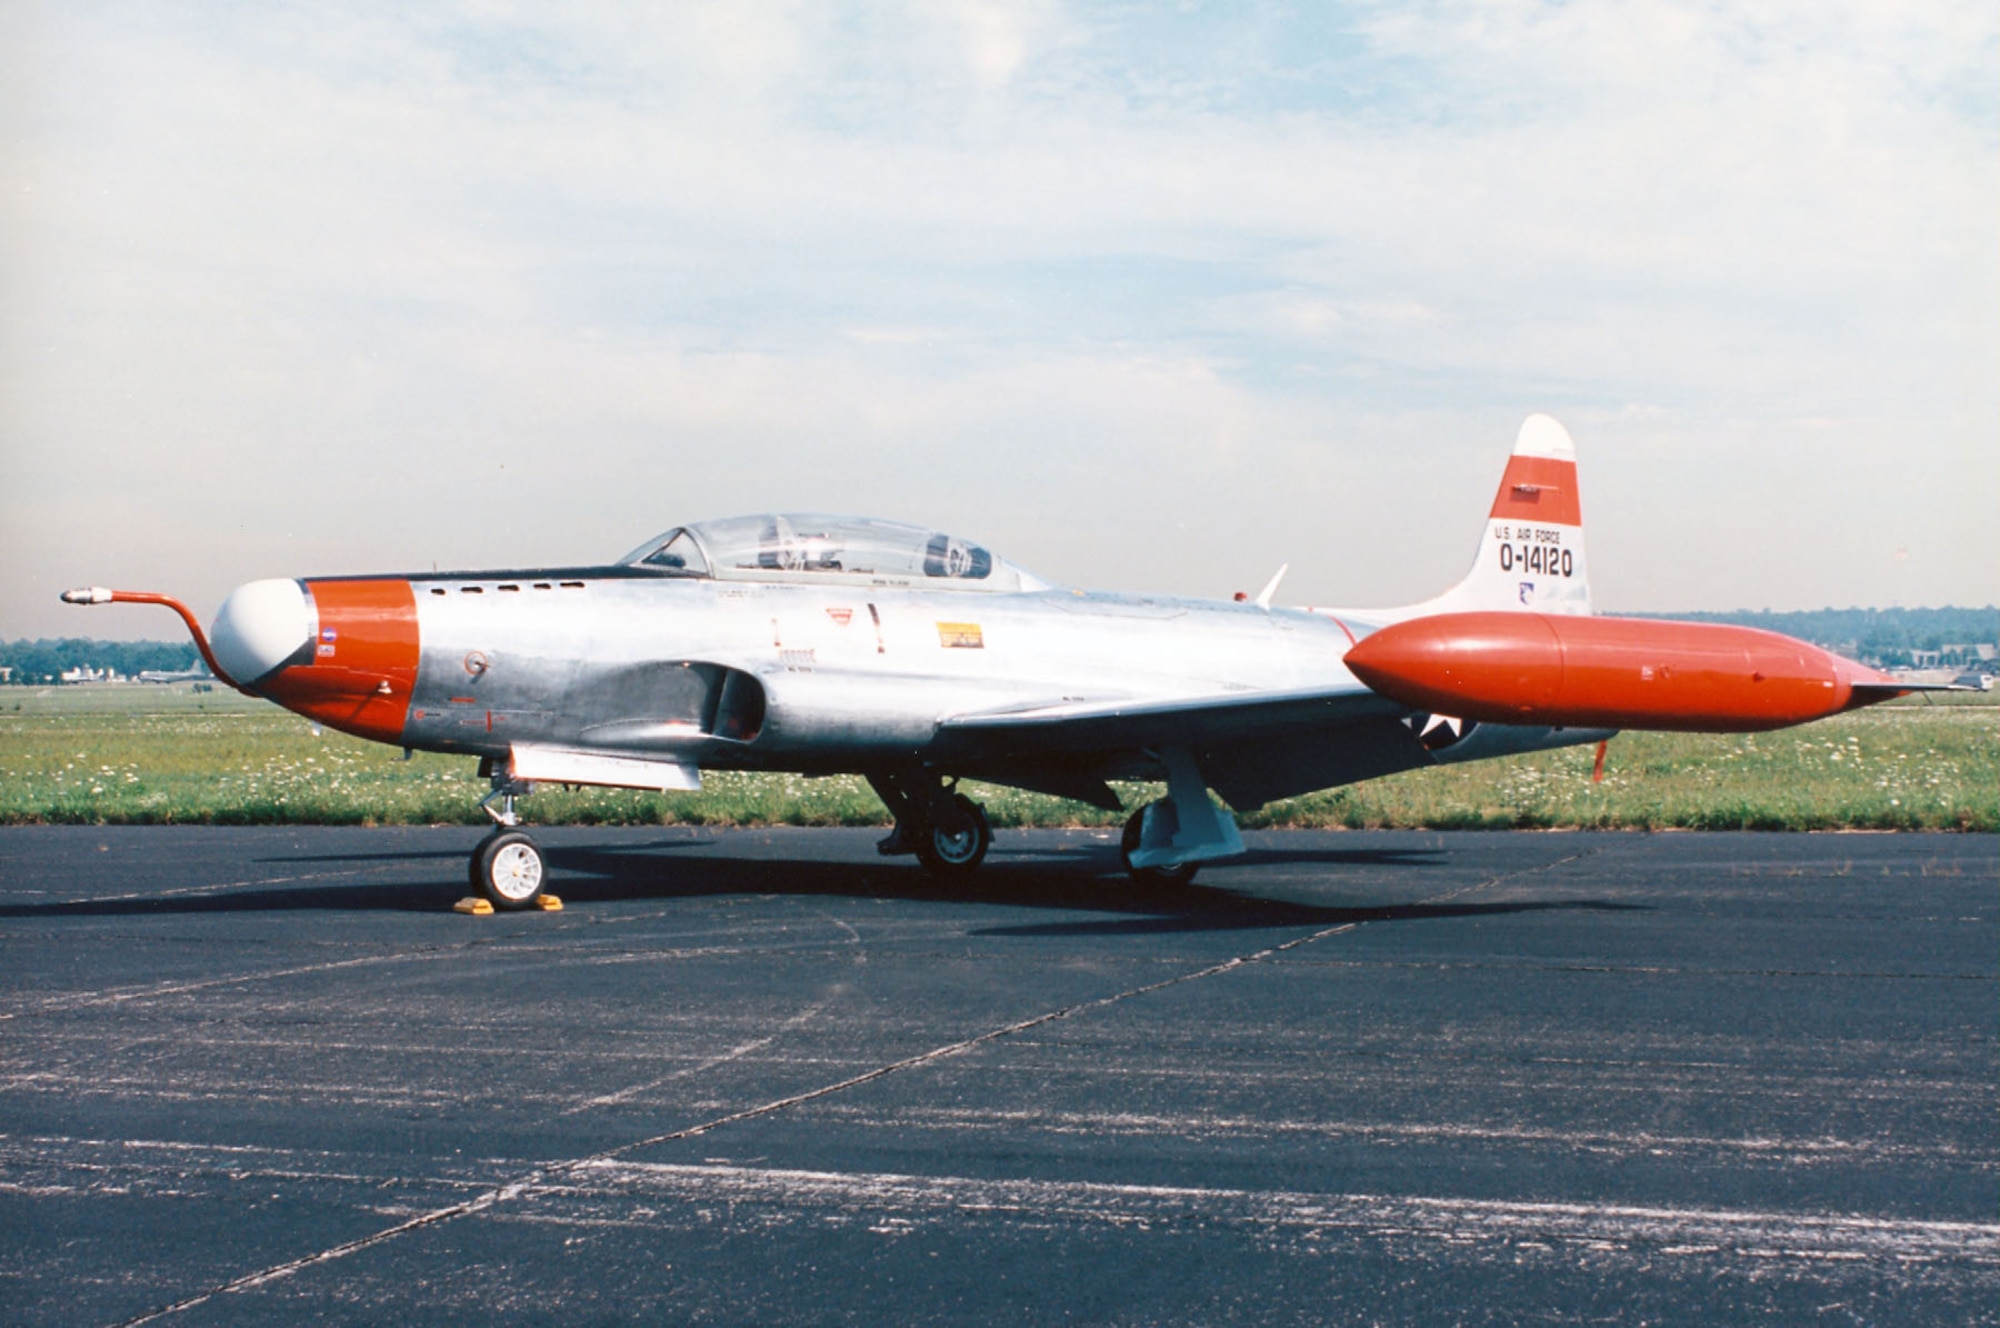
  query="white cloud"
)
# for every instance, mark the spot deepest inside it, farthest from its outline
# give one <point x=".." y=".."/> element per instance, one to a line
<point x="289" y="286"/>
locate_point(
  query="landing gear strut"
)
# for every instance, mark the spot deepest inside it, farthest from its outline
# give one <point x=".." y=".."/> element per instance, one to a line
<point x="947" y="831"/>
<point x="1128" y="844"/>
<point x="507" y="867"/>
<point x="1166" y="841"/>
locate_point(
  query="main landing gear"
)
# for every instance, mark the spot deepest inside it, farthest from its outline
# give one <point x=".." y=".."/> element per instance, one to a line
<point x="1166" y="842"/>
<point x="948" y="832"/>
<point x="507" y="867"/>
<point x="1135" y="834"/>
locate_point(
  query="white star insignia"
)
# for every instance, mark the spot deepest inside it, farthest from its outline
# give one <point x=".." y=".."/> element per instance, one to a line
<point x="1452" y="722"/>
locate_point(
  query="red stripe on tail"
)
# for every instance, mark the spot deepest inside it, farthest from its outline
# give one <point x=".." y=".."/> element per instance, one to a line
<point x="1538" y="490"/>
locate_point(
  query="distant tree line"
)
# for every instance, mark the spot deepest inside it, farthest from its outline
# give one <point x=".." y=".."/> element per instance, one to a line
<point x="1880" y="636"/>
<point x="35" y="663"/>
<point x="1875" y="636"/>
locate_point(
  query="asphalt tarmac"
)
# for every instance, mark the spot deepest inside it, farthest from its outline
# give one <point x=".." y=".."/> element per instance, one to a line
<point x="266" y="1075"/>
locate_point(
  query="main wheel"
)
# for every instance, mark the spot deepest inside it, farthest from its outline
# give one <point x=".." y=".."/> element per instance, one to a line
<point x="957" y="841"/>
<point x="507" y="867"/>
<point x="1128" y="844"/>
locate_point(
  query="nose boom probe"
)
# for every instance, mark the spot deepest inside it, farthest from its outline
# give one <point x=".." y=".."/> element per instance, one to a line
<point x="102" y="595"/>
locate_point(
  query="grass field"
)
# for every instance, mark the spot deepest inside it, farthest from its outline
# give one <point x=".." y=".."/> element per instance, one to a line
<point x="158" y="755"/>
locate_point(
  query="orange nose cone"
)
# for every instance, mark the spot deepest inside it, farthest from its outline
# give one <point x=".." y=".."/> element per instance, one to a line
<point x="364" y="659"/>
<point x="1628" y="673"/>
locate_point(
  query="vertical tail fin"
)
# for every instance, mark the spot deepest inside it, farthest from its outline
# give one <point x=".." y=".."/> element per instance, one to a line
<point x="1531" y="558"/>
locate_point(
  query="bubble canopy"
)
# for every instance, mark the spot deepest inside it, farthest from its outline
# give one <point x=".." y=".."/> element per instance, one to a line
<point x="814" y="549"/>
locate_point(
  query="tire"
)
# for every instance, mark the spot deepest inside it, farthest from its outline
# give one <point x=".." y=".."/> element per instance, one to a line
<point x="1128" y="844"/>
<point x="955" y="844"/>
<point x="508" y="869"/>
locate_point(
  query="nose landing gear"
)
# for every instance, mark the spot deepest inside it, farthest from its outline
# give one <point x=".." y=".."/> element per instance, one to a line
<point x="507" y="867"/>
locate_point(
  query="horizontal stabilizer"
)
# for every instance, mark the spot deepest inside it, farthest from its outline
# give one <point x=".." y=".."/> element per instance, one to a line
<point x="1889" y="691"/>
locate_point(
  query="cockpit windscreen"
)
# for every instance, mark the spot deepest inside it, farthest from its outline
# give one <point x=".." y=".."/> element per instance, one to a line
<point x="813" y="547"/>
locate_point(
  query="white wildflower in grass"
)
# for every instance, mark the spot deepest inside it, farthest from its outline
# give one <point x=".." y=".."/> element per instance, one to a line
<point x="231" y="759"/>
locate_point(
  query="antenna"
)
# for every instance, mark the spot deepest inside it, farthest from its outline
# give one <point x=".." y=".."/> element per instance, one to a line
<point x="1271" y="587"/>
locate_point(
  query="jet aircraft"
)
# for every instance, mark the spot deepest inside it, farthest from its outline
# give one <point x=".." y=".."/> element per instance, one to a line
<point x="826" y="644"/>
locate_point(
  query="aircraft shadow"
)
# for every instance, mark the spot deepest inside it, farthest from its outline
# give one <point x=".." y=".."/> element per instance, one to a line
<point x="1256" y="857"/>
<point x="375" y="897"/>
<point x="1244" y="913"/>
<point x="1087" y="881"/>
<point x="460" y="853"/>
<point x="1091" y="882"/>
<point x="414" y="855"/>
<point x="1364" y="857"/>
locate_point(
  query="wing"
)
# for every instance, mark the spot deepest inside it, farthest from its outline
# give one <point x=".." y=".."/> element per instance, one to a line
<point x="1251" y="747"/>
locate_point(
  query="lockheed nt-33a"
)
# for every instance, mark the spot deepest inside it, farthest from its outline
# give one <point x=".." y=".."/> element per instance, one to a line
<point x="827" y="644"/>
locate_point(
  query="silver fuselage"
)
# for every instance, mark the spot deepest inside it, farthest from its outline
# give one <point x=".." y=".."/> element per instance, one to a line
<point x="850" y="676"/>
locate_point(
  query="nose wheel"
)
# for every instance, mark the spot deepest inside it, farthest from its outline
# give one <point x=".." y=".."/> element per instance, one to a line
<point x="507" y="868"/>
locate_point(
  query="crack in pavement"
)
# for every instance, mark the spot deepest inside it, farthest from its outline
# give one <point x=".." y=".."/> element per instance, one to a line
<point x="541" y="1176"/>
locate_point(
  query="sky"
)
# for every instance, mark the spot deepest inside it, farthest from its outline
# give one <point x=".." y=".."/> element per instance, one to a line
<point x="1144" y="297"/>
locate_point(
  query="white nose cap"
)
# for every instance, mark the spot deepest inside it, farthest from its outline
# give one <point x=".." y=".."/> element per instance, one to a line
<point x="259" y="627"/>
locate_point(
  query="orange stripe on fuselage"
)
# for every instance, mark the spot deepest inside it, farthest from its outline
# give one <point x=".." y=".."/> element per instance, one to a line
<point x="1539" y="489"/>
<point x="364" y="661"/>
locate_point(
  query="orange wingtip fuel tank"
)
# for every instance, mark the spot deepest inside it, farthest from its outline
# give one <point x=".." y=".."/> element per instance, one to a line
<point x="1623" y="673"/>
<point x="363" y="662"/>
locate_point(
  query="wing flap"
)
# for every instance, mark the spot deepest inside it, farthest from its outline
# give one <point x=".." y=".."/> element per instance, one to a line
<point x="1250" y="774"/>
<point x="1113" y="726"/>
<point x="1251" y="748"/>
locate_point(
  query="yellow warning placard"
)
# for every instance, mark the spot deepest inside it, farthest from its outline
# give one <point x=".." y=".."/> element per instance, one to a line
<point x="961" y="636"/>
